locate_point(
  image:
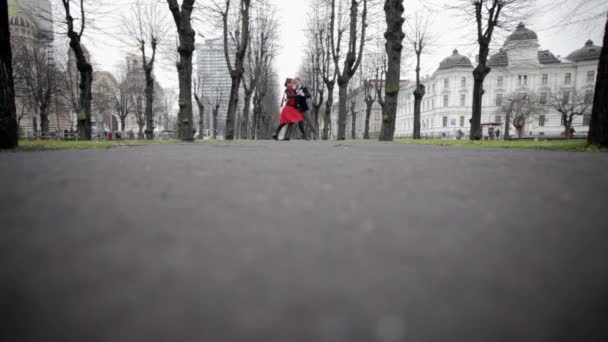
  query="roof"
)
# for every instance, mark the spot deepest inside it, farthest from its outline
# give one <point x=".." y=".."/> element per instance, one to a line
<point x="522" y="33"/>
<point x="20" y="18"/>
<point x="456" y="60"/>
<point x="546" y="57"/>
<point x="588" y="52"/>
<point x="499" y="59"/>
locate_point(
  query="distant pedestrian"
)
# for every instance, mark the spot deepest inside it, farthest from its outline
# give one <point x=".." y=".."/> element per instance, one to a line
<point x="497" y="134"/>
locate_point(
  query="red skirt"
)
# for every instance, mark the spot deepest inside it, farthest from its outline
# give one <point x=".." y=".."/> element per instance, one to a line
<point x="290" y="114"/>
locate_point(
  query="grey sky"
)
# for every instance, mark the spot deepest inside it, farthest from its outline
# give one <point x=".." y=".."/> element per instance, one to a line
<point x="448" y="30"/>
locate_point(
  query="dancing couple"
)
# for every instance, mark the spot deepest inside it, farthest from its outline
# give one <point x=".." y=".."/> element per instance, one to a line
<point x="295" y="110"/>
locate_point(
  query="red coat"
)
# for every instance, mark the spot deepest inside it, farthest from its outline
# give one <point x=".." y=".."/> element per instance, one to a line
<point x="290" y="114"/>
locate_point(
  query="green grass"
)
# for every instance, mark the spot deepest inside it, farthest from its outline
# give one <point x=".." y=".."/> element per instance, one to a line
<point x="45" y="145"/>
<point x="559" y="145"/>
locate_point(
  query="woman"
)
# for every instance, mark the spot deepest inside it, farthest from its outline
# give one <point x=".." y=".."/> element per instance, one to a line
<point x="290" y="114"/>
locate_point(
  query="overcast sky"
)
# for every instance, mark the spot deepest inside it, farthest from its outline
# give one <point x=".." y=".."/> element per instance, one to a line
<point x="108" y="51"/>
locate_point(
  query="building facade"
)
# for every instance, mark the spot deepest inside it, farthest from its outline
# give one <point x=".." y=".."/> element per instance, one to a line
<point x="215" y="81"/>
<point x="520" y="68"/>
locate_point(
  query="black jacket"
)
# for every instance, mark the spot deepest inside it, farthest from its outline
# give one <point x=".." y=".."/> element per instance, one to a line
<point x="302" y="100"/>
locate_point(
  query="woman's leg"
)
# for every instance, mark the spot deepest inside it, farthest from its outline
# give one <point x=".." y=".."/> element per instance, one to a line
<point x="276" y="134"/>
<point x="288" y="132"/>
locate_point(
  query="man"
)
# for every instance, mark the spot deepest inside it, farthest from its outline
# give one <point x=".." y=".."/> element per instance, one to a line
<point x="302" y="96"/>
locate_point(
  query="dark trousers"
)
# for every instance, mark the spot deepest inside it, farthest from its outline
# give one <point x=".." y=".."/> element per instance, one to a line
<point x="311" y="124"/>
<point x="290" y="127"/>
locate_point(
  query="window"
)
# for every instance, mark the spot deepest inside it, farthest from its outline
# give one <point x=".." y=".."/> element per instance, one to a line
<point x="445" y="121"/>
<point x="590" y="76"/>
<point x="545" y="79"/>
<point x="445" y="100"/>
<point x="462" y="99"/>
<point x="589" y="96"/>
<point x="568" y="78"/>
<point x="433" y="103"/>
<point x="462" y="121"/>
<point x="463" y="82"/>
<point x="500" y="81"/>
<point x="519" y="78"/>
<point x="434" y="87"/>
<point x="446" y="83"/>
<point x="543" y="98"/>
<point x="586" y="119"/>
<point x="541" y="120"/>
<point x="498" y="119"/>
<point x="452" y="122"/>
<point x="499" y="99"/>
<point x="566" y="97"/>
<point x="525" y="79"/>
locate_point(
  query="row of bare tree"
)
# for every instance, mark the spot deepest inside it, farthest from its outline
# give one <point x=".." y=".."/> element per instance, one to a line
<point x="337" y="40"/>
<point x="338" y="36"/>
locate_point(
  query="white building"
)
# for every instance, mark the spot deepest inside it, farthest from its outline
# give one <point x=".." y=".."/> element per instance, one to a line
<point x="520" y="67"/>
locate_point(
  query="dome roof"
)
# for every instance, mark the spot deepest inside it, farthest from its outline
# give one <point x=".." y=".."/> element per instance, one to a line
<point x="547" y="57"/>
<point x="522" y="33"/>
<point x="588" y="52"/>
<point x="455" y="60"/>
<point x="499" y="59"/>
<point x="22" y="19"/>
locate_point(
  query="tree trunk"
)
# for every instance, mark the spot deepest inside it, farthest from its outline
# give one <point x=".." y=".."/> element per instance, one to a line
<point x="149" y="104"/>
<point x="327" y="114"/>
<point x="86" y="80"/>
<point x="598" y="128"/>
<point x="506" y="134"/>
<point x="368" y="114"/>
<point x="419" y="93"/>
<point x="123" y="123"/>
<point x="185" y="127"/>
<point x="44" y="121"/>
<point x="185" y="32"/>
<point x="245" y="119"/>
<point x="233" y="103"/>
<point x="353" y="131"/>
<point x="479" y="74"/>
<point x="394" y="36"/>
<point x="9" y="132"/>
<point x="342" y="107"/>
<point x="215" y="112"/>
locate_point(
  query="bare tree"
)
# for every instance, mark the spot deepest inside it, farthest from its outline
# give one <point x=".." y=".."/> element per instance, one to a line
<point x="353" y="56"/>
<point x="518" y="109"/>
<point x="394" y="35"/>
<point x="488" y="16"/>
<point x="146" y="25"/>
<point x="182" y="18"/>
<point x="598" y="128"/>
<point x="215" y="110"/>
<point x="263" y="112"/>
<point x="240" y="38"/>
<point x="370" y="98"/>
<point x="570" y="105"/>
<point x="84" y="68"/>
<point x="36" y="78"/>
<point x="8" y="121"/>
<point x="353" y="115"/>
<point x="418" y="38"/>
<point x="263" y="32"/>
<point x="329" y="76"/>
<point x="199" y="96"/>
<point x="122" y="101"/>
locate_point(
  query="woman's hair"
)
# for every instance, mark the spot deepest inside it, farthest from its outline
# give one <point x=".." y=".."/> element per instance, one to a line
<point x="288" y="80"/>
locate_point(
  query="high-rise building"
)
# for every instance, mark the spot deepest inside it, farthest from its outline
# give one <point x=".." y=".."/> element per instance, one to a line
<point x="215" y="80"/>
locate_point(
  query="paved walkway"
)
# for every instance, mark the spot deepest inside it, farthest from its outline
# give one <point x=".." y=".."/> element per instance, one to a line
<point x="303" y="241"/>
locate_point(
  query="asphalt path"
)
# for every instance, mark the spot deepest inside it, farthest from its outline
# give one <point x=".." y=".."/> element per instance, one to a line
<point x="303" y="241"/>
